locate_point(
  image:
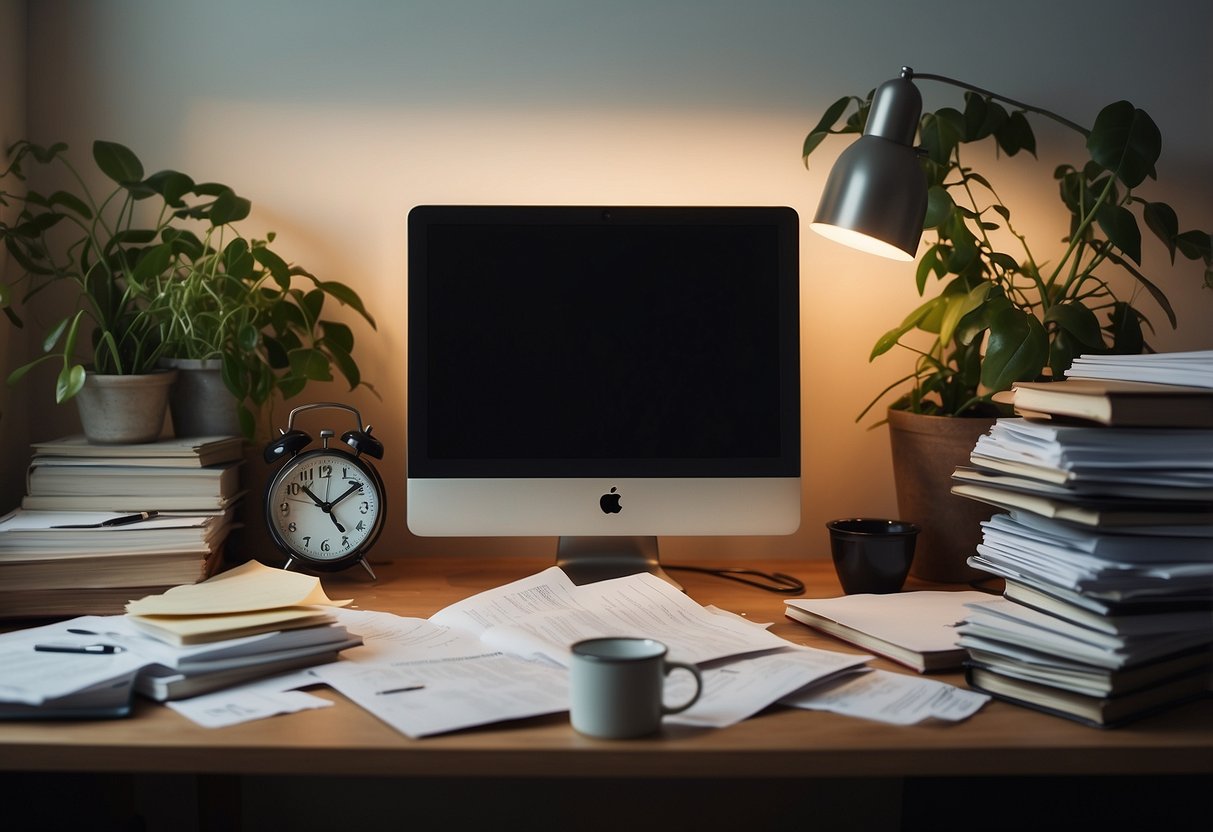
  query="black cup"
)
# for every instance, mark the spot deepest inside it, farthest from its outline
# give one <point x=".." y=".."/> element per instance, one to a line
<point x="872" y="555"/>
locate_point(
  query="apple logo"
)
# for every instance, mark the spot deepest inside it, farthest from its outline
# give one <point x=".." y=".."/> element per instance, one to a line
<point x="610" y="503"/>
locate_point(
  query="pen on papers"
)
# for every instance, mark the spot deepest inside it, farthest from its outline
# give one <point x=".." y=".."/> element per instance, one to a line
<point x="92" y="649"/>
<point x="399" y="690"/>
<point x="124" y="520"/>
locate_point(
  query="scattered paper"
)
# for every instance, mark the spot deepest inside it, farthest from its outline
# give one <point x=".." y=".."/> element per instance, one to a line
<point x="421" y="698"/>
<point x="740" y="688"/>
<point x="895" y="698"/>
<point x="545" y="614"/>
<point x="250" y="586"/>
<point x="244" y="704"/>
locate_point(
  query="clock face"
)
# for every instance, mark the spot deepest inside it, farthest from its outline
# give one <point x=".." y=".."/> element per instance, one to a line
<point x="325" y="507"/>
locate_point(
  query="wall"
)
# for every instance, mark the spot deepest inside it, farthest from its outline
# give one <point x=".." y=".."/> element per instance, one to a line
<point x="336" y="118"/>
<point x="14" y="422"/>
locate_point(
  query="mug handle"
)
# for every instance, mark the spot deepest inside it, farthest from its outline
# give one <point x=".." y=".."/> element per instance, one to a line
<point x="694" y="671"/>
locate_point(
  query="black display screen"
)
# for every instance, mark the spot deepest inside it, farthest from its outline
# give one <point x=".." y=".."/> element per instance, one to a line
<point x="587" y="341"/>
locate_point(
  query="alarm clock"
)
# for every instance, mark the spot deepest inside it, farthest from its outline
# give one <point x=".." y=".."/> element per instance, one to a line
<point x="324" y="508"/>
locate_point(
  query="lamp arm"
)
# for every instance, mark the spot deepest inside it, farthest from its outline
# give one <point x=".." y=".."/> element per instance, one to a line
<point x="910" y="75"/>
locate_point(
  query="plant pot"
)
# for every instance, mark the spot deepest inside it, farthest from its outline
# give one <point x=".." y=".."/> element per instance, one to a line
<point x="926" y="450"/>
<point x="124" y="410"/>
<point x="200" y="403"/>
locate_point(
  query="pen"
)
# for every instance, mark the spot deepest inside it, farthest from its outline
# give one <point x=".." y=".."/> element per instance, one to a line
<point x="124" y="520"/>
<point x="91" y="649"/>
<point x="399" y="690"/>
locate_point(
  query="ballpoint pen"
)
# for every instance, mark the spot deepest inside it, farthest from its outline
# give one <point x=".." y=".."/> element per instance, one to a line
<point x="124" y="520"/>
<point x="91" y="649"/>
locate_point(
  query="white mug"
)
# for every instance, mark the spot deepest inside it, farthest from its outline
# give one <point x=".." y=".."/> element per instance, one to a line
<point x="617" y="687"/>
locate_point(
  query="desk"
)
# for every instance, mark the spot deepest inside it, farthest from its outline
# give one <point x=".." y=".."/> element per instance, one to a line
<point x="779" y="745"/>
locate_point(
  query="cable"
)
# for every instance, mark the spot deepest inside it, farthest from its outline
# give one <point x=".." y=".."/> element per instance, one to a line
<point x="770" y="581"/>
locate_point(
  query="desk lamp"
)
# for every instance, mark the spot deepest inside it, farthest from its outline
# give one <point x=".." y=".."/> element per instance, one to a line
<point x="875" y="198"/>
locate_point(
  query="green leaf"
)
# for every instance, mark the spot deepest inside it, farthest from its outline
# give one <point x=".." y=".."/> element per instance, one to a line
<point x="1155" y="292"/>
<point x="118" y="163"/>
<point x="171" y="185"/>
<point x="960" y="305"/>
<point x="248" y="337"/>
<point x="276" y="265"/>
<point x="275" y="353"/>
<point x="928" y="263"/>
<point x="1124" y="327"/>
<point x="1078" y="320"/>
<point x="887" y="341"/>
<point x="229" y="208"/>
<point x="1126" y="142"/>
<point x="338" y="335"/>
<point x="940" y="132"/>
<point x="1017" y="349"/>
<point x="983" y="117"/>
<point x="153" y="263"/>
<point x="939" y="206"/>
<point x="347" y="296"/>
<point x="69" y="382"/>
<point x="346" y="365"/>
<point x="1120" y="226"/>
<point x="1015" y="134"/>
<point x="235" y="379"/>
<point x="291" y="386"/>
<point x="313" y="302"/>
<point x="1161" y="219"/>
<point x="1195" y="245"/>
<point x="72" y="202"/>
<point x="52" y="337"/>
<point x="824" y="127"/>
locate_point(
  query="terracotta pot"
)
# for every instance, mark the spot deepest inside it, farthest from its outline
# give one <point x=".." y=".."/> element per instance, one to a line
<point x="926" y="450"/>
<point x="124" y="410"/>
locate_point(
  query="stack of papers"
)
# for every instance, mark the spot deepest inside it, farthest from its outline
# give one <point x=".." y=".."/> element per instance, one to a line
<point x="90" y="665"/>
<point x="1104" y="551"/>
<point x="1192" y="368"/>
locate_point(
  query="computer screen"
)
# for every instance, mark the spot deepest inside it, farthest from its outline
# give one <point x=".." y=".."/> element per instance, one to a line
<point x="604" y="375"/>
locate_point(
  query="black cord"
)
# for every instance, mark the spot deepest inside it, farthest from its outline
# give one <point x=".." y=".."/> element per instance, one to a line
<point x="770" y="581"/>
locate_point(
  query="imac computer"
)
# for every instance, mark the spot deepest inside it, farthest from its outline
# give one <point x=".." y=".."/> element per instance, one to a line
<point x="603" y="375"/>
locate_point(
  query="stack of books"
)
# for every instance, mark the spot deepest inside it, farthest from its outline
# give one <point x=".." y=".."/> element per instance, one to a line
<point x="1106" y="548"/>
<point x="102" y="524"/>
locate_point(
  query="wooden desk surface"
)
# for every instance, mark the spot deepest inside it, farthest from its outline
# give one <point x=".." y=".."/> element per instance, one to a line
<point x="999" y="740"/>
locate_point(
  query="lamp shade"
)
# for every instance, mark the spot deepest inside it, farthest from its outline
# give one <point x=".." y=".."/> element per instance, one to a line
<point x="875" y="197"/>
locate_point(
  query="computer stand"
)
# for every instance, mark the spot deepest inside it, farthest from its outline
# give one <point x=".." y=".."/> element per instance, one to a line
<point x="587" y="560"/>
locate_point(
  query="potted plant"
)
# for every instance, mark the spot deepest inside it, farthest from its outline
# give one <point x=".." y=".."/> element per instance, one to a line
<point x="153" y="276"/>
<point x="232" y="316"/>
<point x="1001" y="311"/>
<point x="96" y="247"/>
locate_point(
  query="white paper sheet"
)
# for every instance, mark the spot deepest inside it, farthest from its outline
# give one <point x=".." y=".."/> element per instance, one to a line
<point x="421" y="698"/>
<point x="545" y="614"/>
<point x="244" y="704"/>
<point x="895" y="698"/>
<point x="739" y="688"/>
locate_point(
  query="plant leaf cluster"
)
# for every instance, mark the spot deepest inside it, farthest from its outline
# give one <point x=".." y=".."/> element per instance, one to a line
<point x="997" y="314"/>
<point x="159" y="270"/>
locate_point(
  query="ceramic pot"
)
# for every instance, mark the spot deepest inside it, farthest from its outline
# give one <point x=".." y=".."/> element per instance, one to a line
<point x="200" y="403"/>
<point x="124" y="410"/>
<point x="926" y="450"/>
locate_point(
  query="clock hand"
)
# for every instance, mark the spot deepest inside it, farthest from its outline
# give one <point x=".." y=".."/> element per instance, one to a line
<point x="336" y="522"/>
<point x="315" y="499"/>
<point x="354" y="486"/>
